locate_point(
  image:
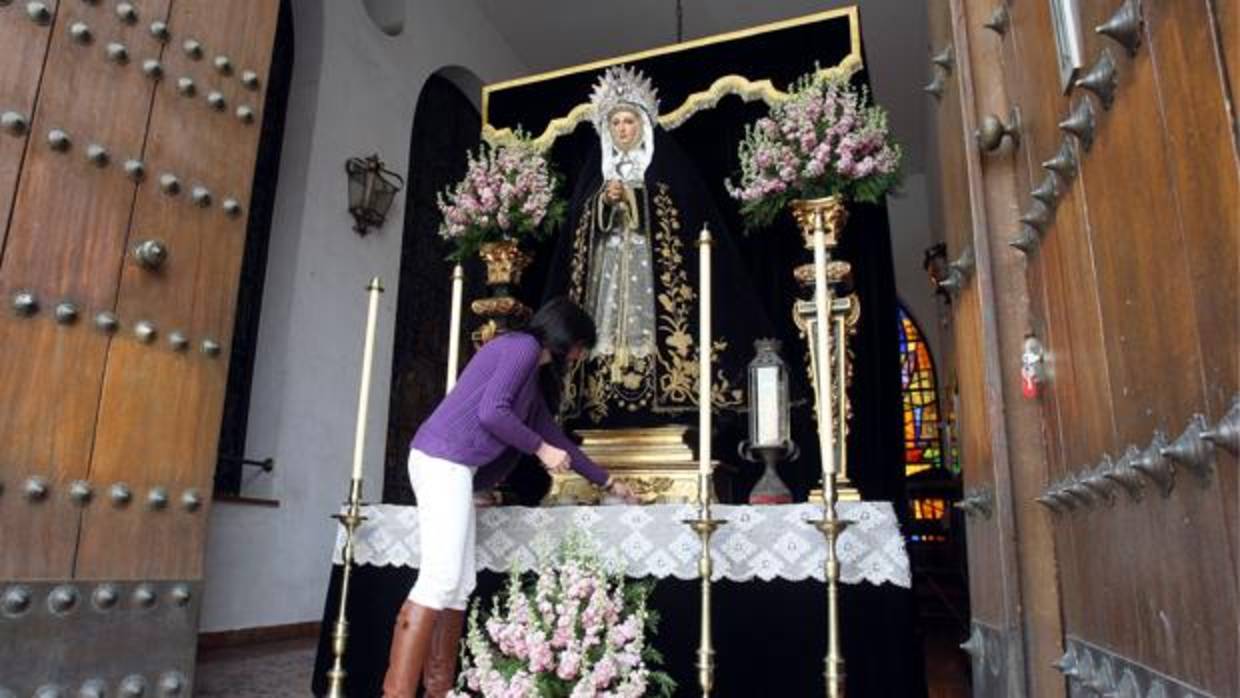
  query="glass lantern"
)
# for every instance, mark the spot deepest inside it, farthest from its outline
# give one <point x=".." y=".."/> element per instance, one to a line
<point x="770" y="432"/>
<point x="768" y="397"/>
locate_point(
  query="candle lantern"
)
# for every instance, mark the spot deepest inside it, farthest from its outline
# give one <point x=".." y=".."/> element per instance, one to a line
<point x="770" y="432"/>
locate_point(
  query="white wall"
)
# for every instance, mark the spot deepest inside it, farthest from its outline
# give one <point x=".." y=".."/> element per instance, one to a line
<point x="353" y="92"/>
<point x="909" y="216"/>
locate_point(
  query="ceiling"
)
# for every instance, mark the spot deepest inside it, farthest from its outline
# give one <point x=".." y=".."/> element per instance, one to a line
<point x="894" y="35"/>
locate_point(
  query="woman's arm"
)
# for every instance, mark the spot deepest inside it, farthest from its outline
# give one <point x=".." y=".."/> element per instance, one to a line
<point x="551" y="432"/>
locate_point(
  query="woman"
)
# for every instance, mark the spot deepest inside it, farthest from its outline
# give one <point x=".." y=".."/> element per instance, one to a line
<point x="498" y="405"/>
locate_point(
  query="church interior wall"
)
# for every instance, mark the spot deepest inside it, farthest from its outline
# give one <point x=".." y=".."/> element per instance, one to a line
<point x="910" y="236"/>
<point x="353" y="93"/>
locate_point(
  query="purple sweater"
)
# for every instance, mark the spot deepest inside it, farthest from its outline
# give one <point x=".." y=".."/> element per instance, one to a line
<point x="497" y="405"/>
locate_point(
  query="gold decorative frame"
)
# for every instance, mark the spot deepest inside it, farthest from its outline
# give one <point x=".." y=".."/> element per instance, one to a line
<point x="745" y="88"/>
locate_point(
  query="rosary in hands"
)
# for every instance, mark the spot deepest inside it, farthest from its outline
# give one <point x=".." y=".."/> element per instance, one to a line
<point x="615" y="191"/>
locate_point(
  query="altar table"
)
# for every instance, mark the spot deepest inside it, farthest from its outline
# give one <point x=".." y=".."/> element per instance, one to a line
<point x="769" y="597"/>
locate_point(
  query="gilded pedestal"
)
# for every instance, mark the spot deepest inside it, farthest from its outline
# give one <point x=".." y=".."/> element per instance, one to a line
<point x="655" y="462"/>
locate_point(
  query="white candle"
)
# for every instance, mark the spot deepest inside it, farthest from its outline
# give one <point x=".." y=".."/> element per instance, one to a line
<point x="704" y="350"/>
<point x="454" y="331"/>
<point x="822" y="363"/>
<point x="374" y="288"/>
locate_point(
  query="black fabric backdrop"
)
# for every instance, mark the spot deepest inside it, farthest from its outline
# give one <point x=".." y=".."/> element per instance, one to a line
<point x="709" y="139"/>
<point x="769" y="637"/>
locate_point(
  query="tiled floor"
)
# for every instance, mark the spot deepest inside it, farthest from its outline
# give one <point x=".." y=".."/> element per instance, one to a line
<point x="273" y="670"/>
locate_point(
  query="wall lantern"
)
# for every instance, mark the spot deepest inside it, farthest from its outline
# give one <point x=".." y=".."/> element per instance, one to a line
<point x="372" y="188"/>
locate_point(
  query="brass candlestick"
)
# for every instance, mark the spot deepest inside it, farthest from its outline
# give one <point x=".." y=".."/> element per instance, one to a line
<point x="822" y="221"/>
<point x="351" y="519"/>
<point x="832" y="527"/>
<point x="705" y="526"/>
<point x="352" y="516"/>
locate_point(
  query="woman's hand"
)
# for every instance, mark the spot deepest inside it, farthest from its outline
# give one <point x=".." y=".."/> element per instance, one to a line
<point x="555" y="460"/>
<point x="486" y="499"/>
<point x="614" y="191"/>
<point x="623" y="491"/>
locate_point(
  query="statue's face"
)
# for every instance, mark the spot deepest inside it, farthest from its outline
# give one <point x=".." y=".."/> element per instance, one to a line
<point x="626" y="128"/>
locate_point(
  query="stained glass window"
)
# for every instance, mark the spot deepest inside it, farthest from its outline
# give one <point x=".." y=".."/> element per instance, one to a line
<point x="922" y="449"/>
<point x="929" y="509"/>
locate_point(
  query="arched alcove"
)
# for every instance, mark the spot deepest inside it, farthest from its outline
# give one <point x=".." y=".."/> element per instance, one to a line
<point x="446" y="124"/>
<point x="387" y="15"/>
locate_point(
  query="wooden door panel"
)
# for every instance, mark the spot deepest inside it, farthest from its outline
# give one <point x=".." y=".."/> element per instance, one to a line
<point x="51" y="441"/>
<point x="64" y="245"/>
<point x="1226" y="23"/>
<point x="1206" y="185"/>
<point x="19" y="84"/>
<point x="1151" y="328"/>
<point x="156" y="389"/>
<point x="986" y="586"/>
<point x="1207" y="190"/>
<point x="158" y="407"/>
<point x="70" y="218"/>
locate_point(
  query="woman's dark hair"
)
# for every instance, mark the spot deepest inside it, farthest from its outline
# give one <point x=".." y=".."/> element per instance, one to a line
<point x="559" y="325"/>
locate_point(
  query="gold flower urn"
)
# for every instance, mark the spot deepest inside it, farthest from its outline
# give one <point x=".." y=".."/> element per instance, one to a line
<point x="505" y="262"/>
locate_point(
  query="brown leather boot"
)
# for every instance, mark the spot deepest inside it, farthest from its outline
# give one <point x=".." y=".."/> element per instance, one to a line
<point x="440" y="673"/>
<point x="411" y="639"/>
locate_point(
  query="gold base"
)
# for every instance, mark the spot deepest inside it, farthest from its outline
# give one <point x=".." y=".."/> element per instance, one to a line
<point x="844" y="492"/>
<point x="654" y="462"/>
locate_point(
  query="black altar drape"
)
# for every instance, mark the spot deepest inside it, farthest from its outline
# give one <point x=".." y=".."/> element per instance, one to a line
<point x="769" y="637"/>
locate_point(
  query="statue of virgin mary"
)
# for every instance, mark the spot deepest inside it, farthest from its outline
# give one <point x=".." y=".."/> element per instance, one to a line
<point x="628" y="254"/>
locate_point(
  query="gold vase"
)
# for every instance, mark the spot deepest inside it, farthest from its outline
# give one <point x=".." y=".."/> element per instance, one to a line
<point x="505" y="263"/>
<point x="831" y="214"/>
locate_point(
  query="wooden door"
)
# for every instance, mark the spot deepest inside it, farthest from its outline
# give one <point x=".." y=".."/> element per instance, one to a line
<point x="1129" y="283"/>
<point x="125" y="217"/>
<point x="997" y="643"/>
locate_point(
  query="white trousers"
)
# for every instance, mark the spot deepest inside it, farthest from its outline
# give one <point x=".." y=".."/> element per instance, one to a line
<point x="445" y="492"/>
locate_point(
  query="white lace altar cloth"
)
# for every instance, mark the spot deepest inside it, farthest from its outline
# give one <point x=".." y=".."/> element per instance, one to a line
<point x="763" y="542"/>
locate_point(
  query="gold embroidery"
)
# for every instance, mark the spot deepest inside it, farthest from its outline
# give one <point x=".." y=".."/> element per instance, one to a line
<point x="666" y="381"/>
<point x="678" y="383"/>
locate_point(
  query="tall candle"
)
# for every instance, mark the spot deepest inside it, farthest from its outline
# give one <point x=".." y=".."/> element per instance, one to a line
<point x="374" y="288"/>
<point x="822" y="326"/>
<point x="454" y="331"/>
<point x="704" y="350"/>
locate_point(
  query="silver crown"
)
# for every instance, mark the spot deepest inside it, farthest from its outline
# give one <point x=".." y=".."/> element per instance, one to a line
<point x="621" y="86"/>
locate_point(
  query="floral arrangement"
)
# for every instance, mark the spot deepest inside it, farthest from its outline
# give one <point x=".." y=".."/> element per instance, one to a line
<point x="508" y="192"/>
<point x="826" y="139"/>
<point x="572" y="630"/>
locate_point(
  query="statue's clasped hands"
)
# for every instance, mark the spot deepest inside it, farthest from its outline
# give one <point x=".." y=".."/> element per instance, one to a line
<point x="614" y="191"/>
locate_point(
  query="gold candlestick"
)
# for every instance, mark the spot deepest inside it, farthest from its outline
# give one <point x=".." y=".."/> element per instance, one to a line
<point x="352" y="516"/>
<point x="825" y="219"/>
<point x="832" y="527"/>
<point x="351" y="519"/>
<point x="704" y="525"/>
